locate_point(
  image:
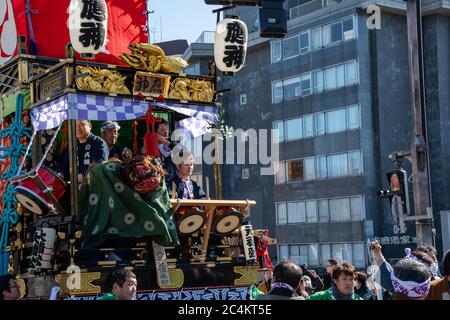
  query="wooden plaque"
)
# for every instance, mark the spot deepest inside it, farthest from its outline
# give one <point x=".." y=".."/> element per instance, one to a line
<point x="151" y="84"/>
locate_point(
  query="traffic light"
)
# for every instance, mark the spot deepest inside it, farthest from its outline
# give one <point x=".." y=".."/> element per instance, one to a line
<point x="398" y="182"/>
<point x="272" y="19"/>
<point x="398" y="195"/>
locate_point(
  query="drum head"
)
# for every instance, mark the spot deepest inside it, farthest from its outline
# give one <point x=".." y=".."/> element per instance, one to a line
<point x="190" y="222"/>
<point x="227" y="223"/>
<point x="31" y="201"/>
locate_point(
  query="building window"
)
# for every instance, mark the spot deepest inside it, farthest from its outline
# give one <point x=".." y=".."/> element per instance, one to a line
<point x="347" y="26"/>
<point x="316" y="38"/>
<point x="335" y="121"/>
<point x="320" y="123"/>
<point x="311" y="211"/>
<point x="319" y="37"/>
<point x="296" y="212"/>
<point x="291" y="88"/>
<point x="342" y="30"/>
<point x="359" y="260"/>
<point x="308" y="126"/>
<point x="313" y="254"/>
<point x="336" y="32"/>
<point x="294" y="129"/>
<point x="318" y="81"/>
<point x="337" y="165"/>
<point x="322" y="206"/>
<point x="353" y="117"/>
<point x="290" y="47"/>
<point x="354" y="163"/>
<point x="340" y="76"/>
<point x="280" y="177"/>
<point x="357" y="208"/>
<point x="350" y="73"/>
<point x="321" y="167"/>
<point x="340" y="209"/>
<point x="321" y="210"/>
<point x="276" y="51"/>
<point x="283" y="252"/>
<point x="317" y="254"/>
<point x="193" y="69"/>
<point x="344" y="252"/>
<point x="329" y="78"/>
<point x="243" y="99"/>
<point x="317" y="124"/>
<point x="325" y="254"/>
<point x="304" y="42"/>
<point x="309" y="168"/>
<point x="335" y="77"/>
<point x="306" y="84"/>
<point x="281" y="213"/>
<point x="295" y="170"/>
<point x="277" y="91"/>
<point x="279" y="126"/>
<point x="245" y="173"/>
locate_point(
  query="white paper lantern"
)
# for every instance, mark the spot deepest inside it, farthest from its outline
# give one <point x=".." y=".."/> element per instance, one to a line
<point x="88" y="26"/>
<point x="230" y="46"/>
<point x="8" y="31"/>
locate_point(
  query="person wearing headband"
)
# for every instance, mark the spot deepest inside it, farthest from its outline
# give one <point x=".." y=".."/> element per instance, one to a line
<point x="185" y="187"/>
<point x="110" y="133"/>
<point x="409" y="279"/>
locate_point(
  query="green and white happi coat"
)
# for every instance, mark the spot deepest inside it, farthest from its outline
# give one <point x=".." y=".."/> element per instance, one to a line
<point x="110" y="208"/>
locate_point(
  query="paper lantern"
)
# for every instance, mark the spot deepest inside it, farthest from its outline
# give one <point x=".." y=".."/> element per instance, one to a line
<point x="230" y="47"/>
<point x="88" y="22"/>
<point x="8" y="31"/>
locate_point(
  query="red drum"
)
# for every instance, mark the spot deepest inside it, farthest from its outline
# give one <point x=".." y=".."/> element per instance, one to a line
<point x="189" y="220"/>
<point x="32" y="196"/>
<point x="226" y="220"/>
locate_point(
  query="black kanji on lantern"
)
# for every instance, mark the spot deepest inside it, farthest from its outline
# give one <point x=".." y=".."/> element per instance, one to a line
<point x="235" y="34"/>
<point x="38" y="249"/>
<point x="234" y="55"/>
<point x="93" y="9"/>
<point x="92" y="33"/>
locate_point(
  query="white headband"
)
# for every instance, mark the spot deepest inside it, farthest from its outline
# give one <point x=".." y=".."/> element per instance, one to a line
<point x="109" y="125"/>
<point x="409" y="288"/>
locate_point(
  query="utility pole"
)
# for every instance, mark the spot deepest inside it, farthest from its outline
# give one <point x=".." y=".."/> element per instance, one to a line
<point x="419" y="145"/>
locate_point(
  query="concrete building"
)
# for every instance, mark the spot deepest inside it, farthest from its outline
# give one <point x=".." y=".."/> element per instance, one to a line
<point x="339" y="94"/>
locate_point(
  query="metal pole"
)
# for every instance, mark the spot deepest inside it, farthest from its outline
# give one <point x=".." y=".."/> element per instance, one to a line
<point x="73" y="171"/>
<point x="419" y="146"/>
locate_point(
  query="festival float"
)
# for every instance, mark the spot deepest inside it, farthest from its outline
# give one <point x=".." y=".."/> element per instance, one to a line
<point x="53" y="231"/>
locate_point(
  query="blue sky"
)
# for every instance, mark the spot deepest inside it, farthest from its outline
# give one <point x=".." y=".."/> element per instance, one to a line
<point x="180" y="19"/>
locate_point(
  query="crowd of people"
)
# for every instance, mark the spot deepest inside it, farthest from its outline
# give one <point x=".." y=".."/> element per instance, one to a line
<point x="415" y="277"/>
<point x="411" y="278"/>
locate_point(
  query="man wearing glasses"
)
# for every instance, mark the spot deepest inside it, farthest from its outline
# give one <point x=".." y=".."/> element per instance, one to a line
<point x="9" y="288"/>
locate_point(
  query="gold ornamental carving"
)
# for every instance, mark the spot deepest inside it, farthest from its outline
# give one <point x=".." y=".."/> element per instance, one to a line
<point x="249" y="275"/>
<point x="85" y="283"/>
<point x="176" y="277"/>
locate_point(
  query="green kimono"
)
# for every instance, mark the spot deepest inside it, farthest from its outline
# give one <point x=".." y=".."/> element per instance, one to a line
<point x="109" y="208"/>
